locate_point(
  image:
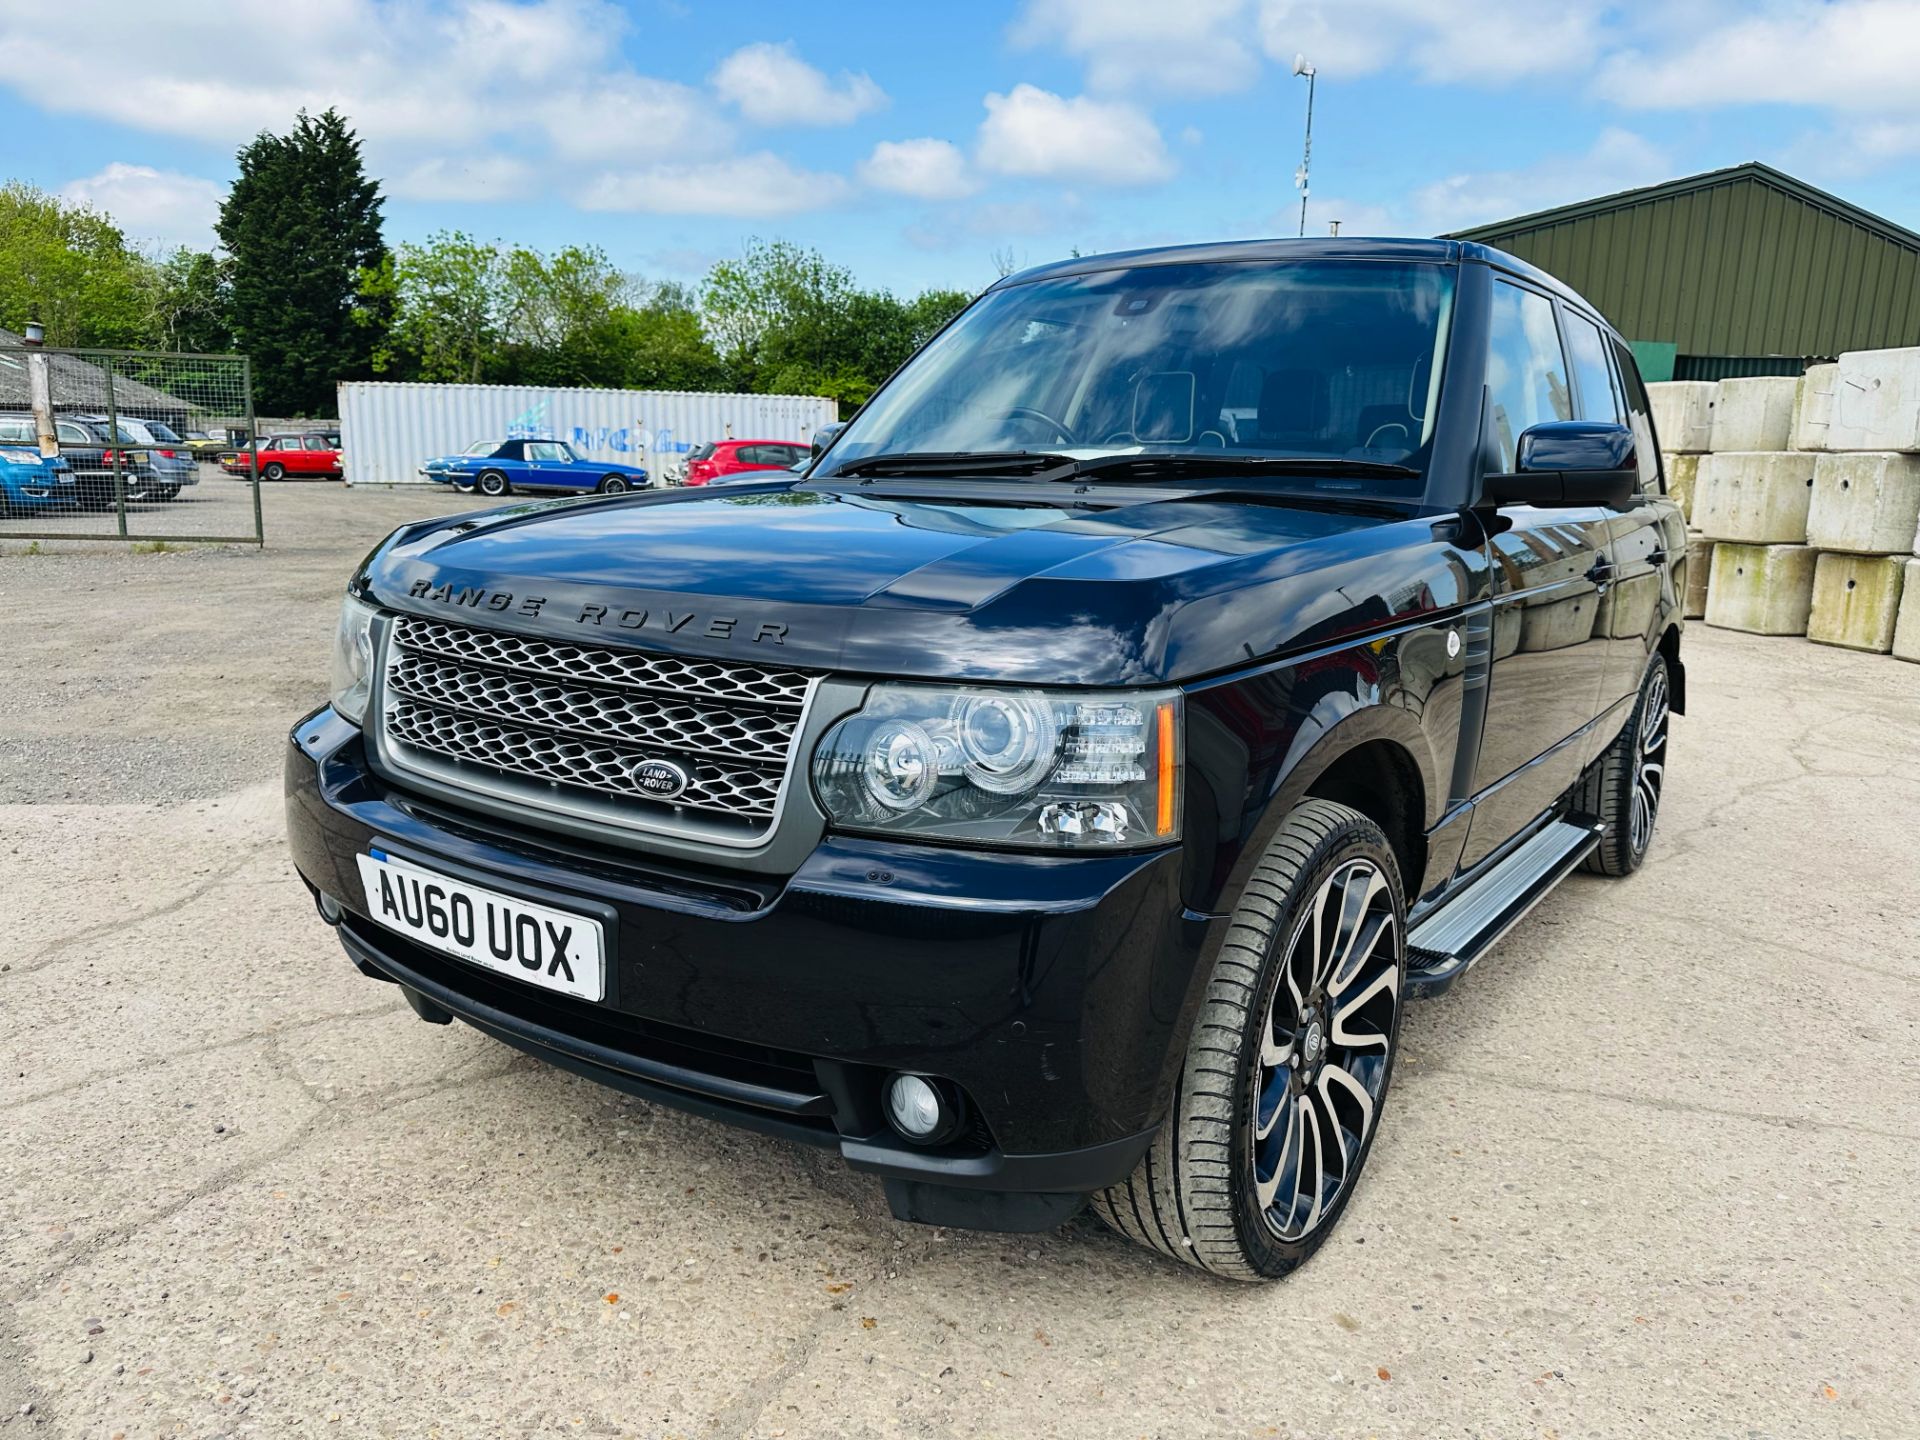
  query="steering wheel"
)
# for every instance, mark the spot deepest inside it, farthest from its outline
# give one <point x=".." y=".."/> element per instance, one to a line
<point x="1027" y="412"/>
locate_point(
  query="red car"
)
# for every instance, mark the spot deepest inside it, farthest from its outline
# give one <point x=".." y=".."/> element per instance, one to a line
<point x="730" y="457"/>
<point x="310" y="453"/>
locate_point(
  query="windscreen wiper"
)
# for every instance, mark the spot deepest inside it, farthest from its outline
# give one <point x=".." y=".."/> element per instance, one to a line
<point x="952" y="462"/>
<point x="1190" y="462"/>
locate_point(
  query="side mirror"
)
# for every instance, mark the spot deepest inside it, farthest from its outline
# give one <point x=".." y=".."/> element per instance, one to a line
<point x="824" y="437"/>
<point x="1569" y="463"/>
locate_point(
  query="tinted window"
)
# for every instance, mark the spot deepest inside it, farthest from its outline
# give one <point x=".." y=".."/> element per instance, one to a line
<point x="1592" y="375"/>
<point x="161" y="432"/>
<point x="72" y="433"/>
<point x="1526" y="374"/>
<point x="701" y="452"/>
<point x="1639" y="416"/>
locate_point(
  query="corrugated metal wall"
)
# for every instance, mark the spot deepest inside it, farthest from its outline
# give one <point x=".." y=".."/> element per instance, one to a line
<point x="388" y="430"/>
<point x="1735" y="267"/>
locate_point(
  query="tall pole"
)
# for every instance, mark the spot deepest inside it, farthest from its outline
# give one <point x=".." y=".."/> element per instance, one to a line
<point x="1301" y="67"/>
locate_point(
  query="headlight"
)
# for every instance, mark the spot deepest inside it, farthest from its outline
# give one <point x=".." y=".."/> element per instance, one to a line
<point x="1031" y="768"/>
<point x="352" y="672"/>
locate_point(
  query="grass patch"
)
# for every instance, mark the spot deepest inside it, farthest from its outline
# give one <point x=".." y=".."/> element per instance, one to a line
<point x="153" y="547"/>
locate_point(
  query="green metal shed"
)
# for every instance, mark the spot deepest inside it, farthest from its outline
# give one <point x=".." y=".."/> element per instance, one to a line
<point x="1742" y="271"/>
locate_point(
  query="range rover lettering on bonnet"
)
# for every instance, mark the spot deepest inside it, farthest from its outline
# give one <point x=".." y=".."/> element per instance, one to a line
<point x="673" y="622"/>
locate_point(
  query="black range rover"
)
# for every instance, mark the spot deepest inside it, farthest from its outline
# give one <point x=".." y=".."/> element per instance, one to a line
<point x="1056" y="794"/>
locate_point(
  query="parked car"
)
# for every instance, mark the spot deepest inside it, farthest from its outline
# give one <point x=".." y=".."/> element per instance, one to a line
<point x="500" y="467"/>
<point x="100" y="465"/>
<point x="31" y="483"/>
<point x="174" y="467"/>
<point x="205" y="445"/>
<point x="1192" y="657"/>
<point x="729" y="457"/>
<point x="306" y="454"/>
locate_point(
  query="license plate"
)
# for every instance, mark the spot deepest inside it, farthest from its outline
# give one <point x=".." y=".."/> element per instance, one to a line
<point x="554" y="949"/>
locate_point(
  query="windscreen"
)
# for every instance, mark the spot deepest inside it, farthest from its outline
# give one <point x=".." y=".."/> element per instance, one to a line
<point x="1315" y="359"/>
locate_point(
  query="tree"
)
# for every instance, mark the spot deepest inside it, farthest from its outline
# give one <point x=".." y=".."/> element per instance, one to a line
<point x="184" y="296"/>
<point x="301" y="225"/>
<point x="69" y="267"/>
<point x="445" y="301"/>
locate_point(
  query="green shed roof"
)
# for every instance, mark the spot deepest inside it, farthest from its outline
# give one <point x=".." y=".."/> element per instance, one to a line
<point x="1741" y="261"/>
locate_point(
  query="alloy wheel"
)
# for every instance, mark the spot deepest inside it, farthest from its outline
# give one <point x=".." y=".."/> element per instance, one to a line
<point x="1650" y="760"/>
<point x="1324" y="1049"/>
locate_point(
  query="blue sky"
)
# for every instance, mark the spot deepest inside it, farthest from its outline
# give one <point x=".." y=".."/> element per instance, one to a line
<point x="920" y="143"/>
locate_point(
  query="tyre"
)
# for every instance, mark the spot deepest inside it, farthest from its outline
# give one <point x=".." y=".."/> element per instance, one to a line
<point x="1289" y="1060"/>
<point x="1625" y="785"/>
<point x="273" y="470"/>
<point x="492" y="482"/>
<point x="613" y="485"/>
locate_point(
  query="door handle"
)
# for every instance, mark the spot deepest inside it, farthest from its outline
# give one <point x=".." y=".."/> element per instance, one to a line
<point x="1656" y="557"/>
<point x="1601" y="571"/>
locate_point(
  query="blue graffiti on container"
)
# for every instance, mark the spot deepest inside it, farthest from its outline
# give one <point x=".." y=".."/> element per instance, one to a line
<point x="530" y="424"/>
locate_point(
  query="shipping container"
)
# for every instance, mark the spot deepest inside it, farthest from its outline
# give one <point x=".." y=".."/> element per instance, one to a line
<point x="388" y="430"/>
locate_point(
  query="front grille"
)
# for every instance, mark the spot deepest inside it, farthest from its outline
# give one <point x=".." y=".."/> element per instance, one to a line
<point x="552" y="722"/>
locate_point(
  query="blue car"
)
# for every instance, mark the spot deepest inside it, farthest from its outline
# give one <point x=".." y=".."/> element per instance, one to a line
<point x="29" y="483"/>
<point x="500" y="467"/>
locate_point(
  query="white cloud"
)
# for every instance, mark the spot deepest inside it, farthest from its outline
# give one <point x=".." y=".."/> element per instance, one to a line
<point x="1849" y="55"/>
<point x="1489" y="41"/>
<point x="1036" y="134"/>
<point x="475" y="177"/>
<point x="772" y="85"/>
<point x="150" y="204"/>
<point x="924" y="169"/>
<point x="1193" y="47"/>
<point x="453" y="99"/>
<point x="1617" y="160"/>
<point x="747" y="186"/>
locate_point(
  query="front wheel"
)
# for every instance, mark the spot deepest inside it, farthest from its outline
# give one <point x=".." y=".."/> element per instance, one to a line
<point x="1289" y="1059"/>
<point x="1625" y="785"/>
<point x="493" y="483"/>
<point x="613" y="485"/>
<point x="274" y="471"/>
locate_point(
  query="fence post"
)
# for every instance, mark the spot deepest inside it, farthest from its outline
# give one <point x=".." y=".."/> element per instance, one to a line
<point x="253" y="450"/>
<point x="118" y="452"/>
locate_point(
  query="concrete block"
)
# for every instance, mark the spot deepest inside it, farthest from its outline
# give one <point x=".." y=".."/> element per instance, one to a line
<point x="1699" y="572"/>
<point x="1754" y="497"/>
<point x="1865" y="501"/>
<point x="1683" y="473"/>
<point x="1876" y="401"/>
<point x="1683" y="414"/>
<point x="1755" y="413"/>
<point x="1762" y="589"/>
<point x="1813" y="407"/>
<point x="1856" y="599"/>
<point x="1906" y="625"/>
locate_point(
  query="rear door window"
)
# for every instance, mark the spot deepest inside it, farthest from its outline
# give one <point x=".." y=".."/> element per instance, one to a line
<point x="1599" y="396"/>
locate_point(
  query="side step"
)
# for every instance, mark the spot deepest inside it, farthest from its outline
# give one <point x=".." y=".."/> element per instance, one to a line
<point x="1444" y="946"/>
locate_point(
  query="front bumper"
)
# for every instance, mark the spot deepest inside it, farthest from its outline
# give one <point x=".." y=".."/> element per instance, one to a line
<point x="1051" y="989"/>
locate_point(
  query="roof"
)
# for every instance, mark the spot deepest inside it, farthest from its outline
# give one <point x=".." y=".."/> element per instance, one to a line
<point x="1752" y="170"/>
<point x="1406" y="249"/>
<point x="76" y="383"/>
<point x="1743" y="261"/>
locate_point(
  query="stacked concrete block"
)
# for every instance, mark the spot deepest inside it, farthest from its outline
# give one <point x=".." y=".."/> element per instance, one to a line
<point x="1761" y="589"/>
<point x="1906" y="625"/>
<point x="1683" y="475"/>
<point x="1856" y="600"/>
<point x="1876" y="401"/>
<point x="1699" y="572"/>
<point x="1866" y="503"/>
<point x="1813" y="407"/>
<point x="1754" y="497"/>
<point x="1754" y="413"/>
<point x="1683" y="414"/>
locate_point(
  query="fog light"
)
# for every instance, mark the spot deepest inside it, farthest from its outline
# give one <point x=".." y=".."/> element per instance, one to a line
<point x="330" y="909"/>
<point x="924" y="1111"/>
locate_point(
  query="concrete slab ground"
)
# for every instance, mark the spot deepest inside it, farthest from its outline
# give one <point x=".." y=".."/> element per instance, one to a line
<point x="1654" y="1168"/>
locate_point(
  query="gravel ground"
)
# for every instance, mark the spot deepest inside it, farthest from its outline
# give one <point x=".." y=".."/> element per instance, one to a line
<point x="1652" y="1169"/>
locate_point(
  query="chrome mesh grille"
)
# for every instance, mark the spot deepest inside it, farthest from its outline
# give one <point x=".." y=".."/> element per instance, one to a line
<point x="545" y="717"/>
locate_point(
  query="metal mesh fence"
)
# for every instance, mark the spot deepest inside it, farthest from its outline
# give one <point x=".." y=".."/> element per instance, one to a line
<point x="127" y="444"/>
